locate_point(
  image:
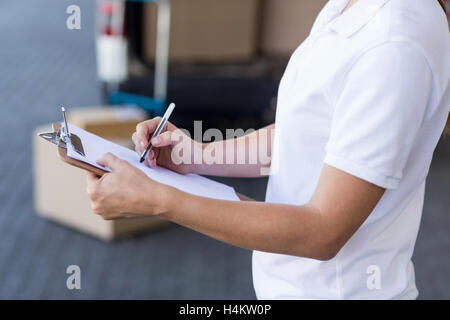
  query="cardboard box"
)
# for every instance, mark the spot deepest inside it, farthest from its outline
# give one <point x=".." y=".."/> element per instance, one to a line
<point x="108" y="122"/>
<point x="60" y="189"/>
<point x="286" y="23"/>
<point x="206" y="30"/>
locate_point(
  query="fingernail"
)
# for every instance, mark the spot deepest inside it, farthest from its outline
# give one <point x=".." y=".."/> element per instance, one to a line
<point x="142" y="143"/>
<point x="156" y="140"/>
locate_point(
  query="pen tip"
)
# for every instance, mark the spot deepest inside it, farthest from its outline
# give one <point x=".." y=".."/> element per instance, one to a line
<point x="142" y="160"/>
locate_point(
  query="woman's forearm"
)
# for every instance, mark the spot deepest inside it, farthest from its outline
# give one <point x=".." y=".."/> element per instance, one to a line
<point x="318" y="229"/>
<point x="284" y="229"/>
<point x="246" y="156"/>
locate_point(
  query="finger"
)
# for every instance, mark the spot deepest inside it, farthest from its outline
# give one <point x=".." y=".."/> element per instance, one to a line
<point x="150" y="162"/>
<point x="156" y="153"/>
<point x="135" y="142"/>
<point x="91" y="184"/>
<point x="109" y="161"/>
<point x="151" y="154"/>
<point x="162" y="140"/>
<point x="139" y="147"/>
<point x="139" y="150"/>
<point x="152" y="157"/>
<point x="144" y="130"/>
<point x="91" y="178"/>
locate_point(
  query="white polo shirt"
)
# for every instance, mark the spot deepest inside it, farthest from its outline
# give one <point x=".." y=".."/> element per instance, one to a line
<point x="367" y="93"/>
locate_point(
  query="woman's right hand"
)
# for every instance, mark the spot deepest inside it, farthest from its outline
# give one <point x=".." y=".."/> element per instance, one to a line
<point x="164" y="144"/>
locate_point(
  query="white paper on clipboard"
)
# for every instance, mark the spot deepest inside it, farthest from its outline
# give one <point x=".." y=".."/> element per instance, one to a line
<point x="95" y="147"/>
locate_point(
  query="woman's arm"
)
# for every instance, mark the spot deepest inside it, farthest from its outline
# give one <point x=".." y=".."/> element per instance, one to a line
<point x="246" y="156"/>
<point x="317" y="230"/>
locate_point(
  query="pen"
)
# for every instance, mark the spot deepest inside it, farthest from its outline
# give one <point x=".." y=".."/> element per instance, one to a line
<point x="158" y="130"/>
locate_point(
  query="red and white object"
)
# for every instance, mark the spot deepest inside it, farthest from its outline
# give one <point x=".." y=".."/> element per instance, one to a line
<point x="111" y="43"/>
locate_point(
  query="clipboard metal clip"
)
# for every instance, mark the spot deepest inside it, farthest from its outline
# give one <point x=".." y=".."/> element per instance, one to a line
<point x="54" y="137"/>
<point x="62" y="137"/>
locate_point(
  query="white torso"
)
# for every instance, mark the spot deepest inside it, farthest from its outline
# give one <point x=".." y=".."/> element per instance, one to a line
<point x="368" y="93"/>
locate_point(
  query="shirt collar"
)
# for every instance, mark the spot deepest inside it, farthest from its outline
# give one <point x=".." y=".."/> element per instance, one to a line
<point x="356" y="17"/>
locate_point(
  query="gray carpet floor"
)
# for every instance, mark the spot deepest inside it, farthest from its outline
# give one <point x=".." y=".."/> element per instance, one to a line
<point x="44" y="65"/>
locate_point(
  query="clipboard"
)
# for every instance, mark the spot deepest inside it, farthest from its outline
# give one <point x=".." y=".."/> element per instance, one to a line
<point x="56" y="138"/>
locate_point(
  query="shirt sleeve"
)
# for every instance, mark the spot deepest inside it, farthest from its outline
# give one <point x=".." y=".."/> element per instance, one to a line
<point x="379" y="112"/>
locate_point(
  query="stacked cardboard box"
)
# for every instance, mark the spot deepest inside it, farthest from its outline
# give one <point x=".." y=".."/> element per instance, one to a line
<point x="232" y="30"/>
<point x="286" y="23"/>
<point x="206" y="30"/>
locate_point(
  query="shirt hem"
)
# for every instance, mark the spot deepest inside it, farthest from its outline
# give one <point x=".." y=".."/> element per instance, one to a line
<point x="361" y="171"/>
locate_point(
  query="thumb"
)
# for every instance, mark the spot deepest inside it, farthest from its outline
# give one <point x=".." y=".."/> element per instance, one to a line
<point x="109" y="161"/>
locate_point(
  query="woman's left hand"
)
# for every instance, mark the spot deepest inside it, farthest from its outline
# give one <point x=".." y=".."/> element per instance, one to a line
<point x="125" y="192"/>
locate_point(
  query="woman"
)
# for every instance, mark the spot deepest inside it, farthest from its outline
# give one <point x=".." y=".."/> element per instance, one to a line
<point x="361" y="107"/>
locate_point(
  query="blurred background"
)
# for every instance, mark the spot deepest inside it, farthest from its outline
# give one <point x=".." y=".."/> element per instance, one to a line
<point x="221" y="61"/>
